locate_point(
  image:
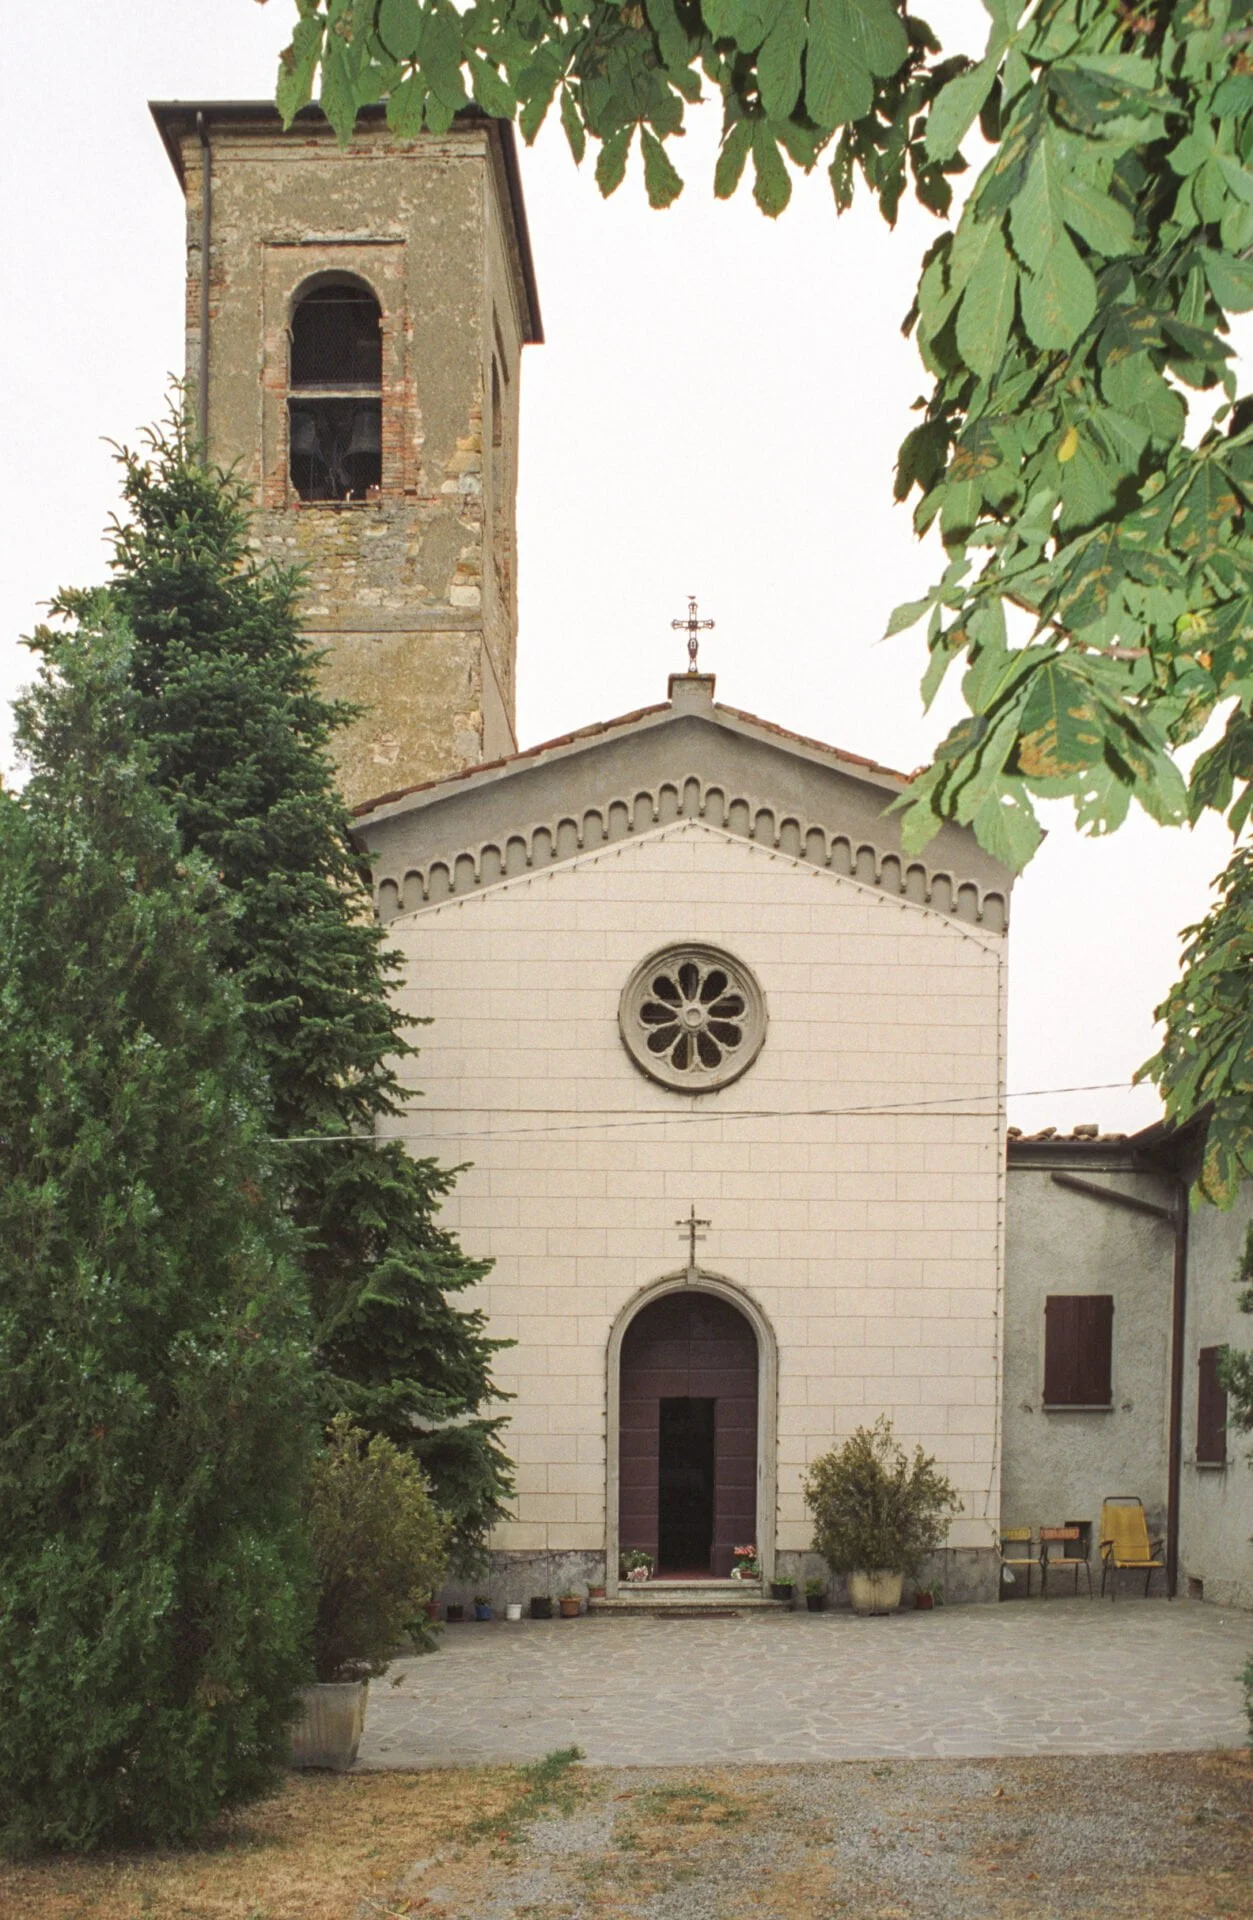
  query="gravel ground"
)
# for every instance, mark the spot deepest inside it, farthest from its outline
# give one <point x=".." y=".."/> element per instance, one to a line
<point x="1146" y="1835"/>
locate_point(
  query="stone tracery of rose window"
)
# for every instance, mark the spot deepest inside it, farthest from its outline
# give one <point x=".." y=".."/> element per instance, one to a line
<point x="692" y="1017"/>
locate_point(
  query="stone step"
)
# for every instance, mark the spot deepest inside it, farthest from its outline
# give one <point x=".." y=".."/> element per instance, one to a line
<point x="689" y="1597"/>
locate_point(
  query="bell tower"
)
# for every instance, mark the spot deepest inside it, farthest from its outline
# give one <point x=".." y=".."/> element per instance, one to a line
<point x="354" y="351"/>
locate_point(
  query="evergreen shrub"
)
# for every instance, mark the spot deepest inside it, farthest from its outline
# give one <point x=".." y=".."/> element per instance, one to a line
<point x="874" y="1508"/>
<point x="156" y="1407"/>
<point x="380" y="1548"/>
<point x="238" y="732"/>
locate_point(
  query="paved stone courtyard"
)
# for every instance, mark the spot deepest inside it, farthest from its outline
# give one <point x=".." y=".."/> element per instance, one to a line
<point x="1025" y="1678"/>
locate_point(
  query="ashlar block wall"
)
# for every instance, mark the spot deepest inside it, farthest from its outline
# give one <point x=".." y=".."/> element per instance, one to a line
<point x="854" y="1177"/>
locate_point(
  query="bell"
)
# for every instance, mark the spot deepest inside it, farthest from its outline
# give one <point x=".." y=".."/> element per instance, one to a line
<point x="304" y="436"/>
<point x="364" y="441"/>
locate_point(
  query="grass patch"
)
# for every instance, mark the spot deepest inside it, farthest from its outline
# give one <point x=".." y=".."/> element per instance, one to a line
<point x="324" y="1846"/>
<point x="689" y="1805"/>
<point x="547" y="1784"/>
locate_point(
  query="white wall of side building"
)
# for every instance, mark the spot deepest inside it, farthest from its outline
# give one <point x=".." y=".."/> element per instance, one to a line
<point x="870" y="1236"/>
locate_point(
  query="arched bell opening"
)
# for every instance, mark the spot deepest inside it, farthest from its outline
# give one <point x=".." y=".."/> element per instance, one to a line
<point x="335" y="395"/>
<point x="691" y="1440"/>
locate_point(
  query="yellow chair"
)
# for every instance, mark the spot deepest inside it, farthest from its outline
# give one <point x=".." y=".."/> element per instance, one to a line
<point x="1014" y="1546"/>
<point x="1125" y="1543"/>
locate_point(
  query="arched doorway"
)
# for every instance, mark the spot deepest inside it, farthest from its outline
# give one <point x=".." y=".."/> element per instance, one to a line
<point x="688" y="1432"/>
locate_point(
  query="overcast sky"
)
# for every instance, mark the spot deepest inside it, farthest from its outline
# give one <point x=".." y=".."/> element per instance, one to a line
<point x="715" y="410"/>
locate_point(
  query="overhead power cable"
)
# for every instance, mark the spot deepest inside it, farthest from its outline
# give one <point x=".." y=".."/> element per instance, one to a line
<point x="620" y="1117"/>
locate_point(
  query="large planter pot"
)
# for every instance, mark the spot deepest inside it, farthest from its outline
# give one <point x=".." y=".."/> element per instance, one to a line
<point x="877" y="1592"/>
<point x="328" y="1731"/>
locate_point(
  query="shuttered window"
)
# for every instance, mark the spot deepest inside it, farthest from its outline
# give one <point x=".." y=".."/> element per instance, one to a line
<point x="1211" y="1409"/>
<point x="1078" y="1349"/>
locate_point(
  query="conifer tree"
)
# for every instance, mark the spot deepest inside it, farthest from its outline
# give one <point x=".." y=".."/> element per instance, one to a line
<point x="230" y="709"/>
<point x="156" y="1410"/>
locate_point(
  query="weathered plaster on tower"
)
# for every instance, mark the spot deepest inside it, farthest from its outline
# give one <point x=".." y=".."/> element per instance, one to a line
<point x="412" y="590"/>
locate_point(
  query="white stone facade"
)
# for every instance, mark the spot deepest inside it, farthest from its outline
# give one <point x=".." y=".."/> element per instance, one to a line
<point x="853" y="1178"/>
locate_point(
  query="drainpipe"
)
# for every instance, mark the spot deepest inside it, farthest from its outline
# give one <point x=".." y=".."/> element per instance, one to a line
<point x="1179" y="1307"/>
<point x="206" y="237"/>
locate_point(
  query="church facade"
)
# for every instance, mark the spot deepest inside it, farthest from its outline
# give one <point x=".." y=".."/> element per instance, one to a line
<point x="724" y="1068"/>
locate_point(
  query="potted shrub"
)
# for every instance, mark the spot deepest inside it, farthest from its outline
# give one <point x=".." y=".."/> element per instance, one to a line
<point x="782" y="1589"/>
<point x="877" y="1513"/>
<point x="379" y="1547"/>
<point x="634" y="1564"/>
<point x="815" y="1594"/>
<point x="570" y="1605"/>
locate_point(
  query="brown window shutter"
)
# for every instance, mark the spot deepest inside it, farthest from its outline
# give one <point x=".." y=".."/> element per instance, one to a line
<point x="1078" y="1349"/>
<point x="1211" y="1409"/>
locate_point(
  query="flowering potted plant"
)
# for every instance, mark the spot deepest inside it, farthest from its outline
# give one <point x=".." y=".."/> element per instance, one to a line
<point x="634" y="1564"/>
<point x="746" y="1564"/>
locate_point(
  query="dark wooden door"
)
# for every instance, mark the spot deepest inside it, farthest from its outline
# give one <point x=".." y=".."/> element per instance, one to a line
<point x="688" y="1347"/>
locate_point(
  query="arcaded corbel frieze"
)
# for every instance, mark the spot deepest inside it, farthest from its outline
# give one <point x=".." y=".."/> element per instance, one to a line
<point x="549" y="842"/>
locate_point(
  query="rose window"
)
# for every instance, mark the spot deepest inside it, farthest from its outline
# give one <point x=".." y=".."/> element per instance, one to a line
<point x="692" y="1017"/>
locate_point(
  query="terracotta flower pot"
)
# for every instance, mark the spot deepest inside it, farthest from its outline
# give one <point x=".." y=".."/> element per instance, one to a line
<point x="570" y="1609"/>
<point x="924" y="1602"/>
<point x="875" y="1592"/>
<point x="328" y="1732"/>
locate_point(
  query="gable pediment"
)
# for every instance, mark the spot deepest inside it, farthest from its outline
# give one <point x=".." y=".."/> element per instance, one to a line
<point x="691" y="759"/>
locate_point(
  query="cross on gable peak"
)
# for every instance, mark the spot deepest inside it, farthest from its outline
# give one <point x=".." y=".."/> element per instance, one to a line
<point x="693" y="627"/>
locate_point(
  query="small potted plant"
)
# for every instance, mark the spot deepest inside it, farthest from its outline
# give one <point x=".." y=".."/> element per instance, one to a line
<point x="541" y="1606"/>
<point x="454" y="1612"/>
<point x="634" y="1564"/>
<point x="513" y="1609"/>
<point x="379" y="1548"/>
<point x="782" y="1590"/>
<point x="746" y="1566"/>
<point x="932" y="1595"/>
<point x="815" y="1594"/>
<point x="596" y="1593"/>
<point x="482" y="1607"/>
<point x="877" y="1513"/>
<point x="570" y="1605"/>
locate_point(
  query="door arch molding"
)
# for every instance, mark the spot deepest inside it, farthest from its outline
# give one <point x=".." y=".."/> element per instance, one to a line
<point x="697" y="1280"/>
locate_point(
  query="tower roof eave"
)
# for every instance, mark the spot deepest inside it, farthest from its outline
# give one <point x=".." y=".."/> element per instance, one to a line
<point x="176" y="118"/>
